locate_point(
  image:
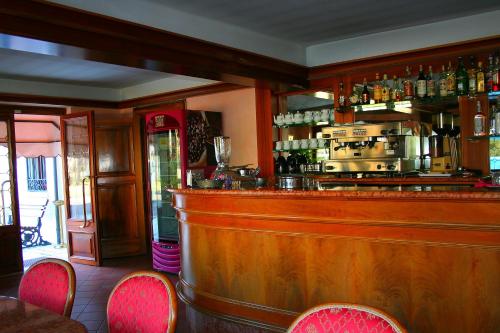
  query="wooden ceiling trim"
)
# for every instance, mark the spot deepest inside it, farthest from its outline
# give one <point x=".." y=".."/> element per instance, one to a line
<point x="396" y="62"/>
<point x="110" y="40"/>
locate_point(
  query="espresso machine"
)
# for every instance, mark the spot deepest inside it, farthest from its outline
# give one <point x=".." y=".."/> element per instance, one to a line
<point x="371" y="149"/>
<point x="444" y="143"/>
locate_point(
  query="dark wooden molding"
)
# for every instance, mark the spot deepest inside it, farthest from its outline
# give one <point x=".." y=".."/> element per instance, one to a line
<point x="105" y="39"/>
<point x="177" y="95"/>
<point x="48" y="104"/>
<point x="27" y="108"/>
<point x="394" y="63"/>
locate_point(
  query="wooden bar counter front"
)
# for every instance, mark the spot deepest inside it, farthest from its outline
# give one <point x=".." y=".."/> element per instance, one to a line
<point x="260" y="257"/>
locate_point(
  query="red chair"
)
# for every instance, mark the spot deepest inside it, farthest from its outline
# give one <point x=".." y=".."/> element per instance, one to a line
<point x="142" y="302"/>
<point x="49" y="284"/>
<point x="342" y="317"/>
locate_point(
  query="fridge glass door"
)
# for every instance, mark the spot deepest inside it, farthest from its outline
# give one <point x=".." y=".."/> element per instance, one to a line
<point x="164" y="173"/>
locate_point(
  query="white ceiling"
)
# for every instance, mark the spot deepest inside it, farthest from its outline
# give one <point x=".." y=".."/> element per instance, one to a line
<point x="286" y="29"/>
<point x="21" y="65"/>
<point x="316" y="21"/>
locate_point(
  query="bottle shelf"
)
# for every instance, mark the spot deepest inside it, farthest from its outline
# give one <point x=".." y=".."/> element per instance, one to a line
<point x="297" y="150"/>
<point x="483" y="137"/>
<point x="303" y="124"/>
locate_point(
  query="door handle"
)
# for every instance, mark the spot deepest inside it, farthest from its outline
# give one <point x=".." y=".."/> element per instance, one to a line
<point x="84" y="204"/>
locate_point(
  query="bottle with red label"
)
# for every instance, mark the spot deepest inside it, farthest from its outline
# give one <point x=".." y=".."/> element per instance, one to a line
<point x="408" y="85"/>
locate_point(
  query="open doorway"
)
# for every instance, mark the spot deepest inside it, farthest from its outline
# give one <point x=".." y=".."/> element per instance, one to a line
<point x="40" y="188"/>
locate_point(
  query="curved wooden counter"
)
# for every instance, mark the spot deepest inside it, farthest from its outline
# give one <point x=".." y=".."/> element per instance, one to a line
<point x="429" y="258"/>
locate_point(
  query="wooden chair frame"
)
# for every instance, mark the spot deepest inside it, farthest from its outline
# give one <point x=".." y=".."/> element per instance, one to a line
<point x="70" y="298"/>
<point x="172" y="319"/>
<point x="374" y="311"/>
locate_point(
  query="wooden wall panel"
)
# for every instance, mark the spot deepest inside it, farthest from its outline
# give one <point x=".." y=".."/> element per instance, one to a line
<point x="113" y="149"/>
<point x="264" y="256"/>
<point x="82" y="245"/>
<point x="122" y="226"/>
<point x="10" y="249"/>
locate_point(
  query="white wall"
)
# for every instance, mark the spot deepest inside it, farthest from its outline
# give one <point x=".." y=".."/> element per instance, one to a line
<point x="427" y="35"/>
<point x="238" y="121"/>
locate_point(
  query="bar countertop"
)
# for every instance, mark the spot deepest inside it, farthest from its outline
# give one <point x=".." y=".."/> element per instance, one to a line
<point x="347" y="190"/>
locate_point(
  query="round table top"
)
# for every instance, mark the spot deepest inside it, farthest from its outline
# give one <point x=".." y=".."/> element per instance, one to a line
<point x="21" y="317"/>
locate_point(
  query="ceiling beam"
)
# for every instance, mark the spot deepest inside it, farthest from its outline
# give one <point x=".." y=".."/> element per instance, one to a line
<point x="83" y="35"/>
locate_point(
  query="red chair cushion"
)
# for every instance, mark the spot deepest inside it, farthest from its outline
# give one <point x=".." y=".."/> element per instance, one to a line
<point x="139" y="304"/>
<point x="341" y="320"/>
<point x="46" y="285"/>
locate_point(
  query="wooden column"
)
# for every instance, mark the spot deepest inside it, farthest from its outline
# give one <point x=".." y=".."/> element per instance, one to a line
<point x="265" y="103"/>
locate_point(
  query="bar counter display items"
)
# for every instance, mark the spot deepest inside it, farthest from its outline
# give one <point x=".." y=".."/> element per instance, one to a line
<point x="222" y="145"/>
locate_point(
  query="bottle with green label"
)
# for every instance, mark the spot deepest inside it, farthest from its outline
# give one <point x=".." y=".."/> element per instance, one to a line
<point x="443" y="82"/>
<point x="462" y="78"/>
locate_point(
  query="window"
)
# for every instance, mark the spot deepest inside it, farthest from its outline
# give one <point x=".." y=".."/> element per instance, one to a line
<point x="36" y="174"/>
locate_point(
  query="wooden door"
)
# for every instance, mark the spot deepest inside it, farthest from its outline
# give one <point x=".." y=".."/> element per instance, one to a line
<point x="122" y="223"/>
<point x="82" y="224"/>
<point x="10" y="236"/>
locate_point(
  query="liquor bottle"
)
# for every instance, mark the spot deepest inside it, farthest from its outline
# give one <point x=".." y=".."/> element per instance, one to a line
<point x="342" y="99"/>
<point x="396" y="92"/>
<point x="386" y="96"/>
<point x="443" y="83"/>
<point x="365" y="94"/>
<point x="479" y="121"/>
<point x="480" y="78"/>
<point x="493" y="120"/>
<point x="377" y="89"/>
<point x="489" y="74"/>
<point x="461" y="75"/>
<point x="354" y="98"/>
<point x="472" y="76"/>
<point x="496" y="75"/>
<point x="408" y="85"/>
<point x="421" y="83"/>
<point x="450" y="76"/>
<point x="431" y="84"/>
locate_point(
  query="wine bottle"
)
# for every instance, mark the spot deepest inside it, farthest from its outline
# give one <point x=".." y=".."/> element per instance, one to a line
<point x="377" y="89"/>
<point x="462" y="83"/>
<point x="342" y="98"/>
<point x="386" y="96"/>
<point x="396" y="93"/>
<point x="354" y="98"/>
<point x="443" y="84"/>
<point x="472" y="76"/>
<point x="408" y="85"/>
<point x="496" y="75"/>
<point x="479" y="121"/>
<point x="480" y="78"/>
<point x="421" y="83"/>
<point x="431" y="84"/>
<point x="489" y="74"/>
<point x="365" y="94"/>
<point x="450" y="76"/>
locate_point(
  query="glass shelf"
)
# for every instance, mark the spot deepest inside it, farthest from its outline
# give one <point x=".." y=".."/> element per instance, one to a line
<point x="422" y="105"/>
<point x="297" y="150"/>
<point x="483" y="137"/>
<point x="311" y="124"/>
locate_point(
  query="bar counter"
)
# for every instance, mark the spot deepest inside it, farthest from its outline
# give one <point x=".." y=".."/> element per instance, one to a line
<point x="428" y="255"/>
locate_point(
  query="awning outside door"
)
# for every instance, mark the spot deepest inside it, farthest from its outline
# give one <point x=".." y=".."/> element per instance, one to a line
<point x="37" y="135"/>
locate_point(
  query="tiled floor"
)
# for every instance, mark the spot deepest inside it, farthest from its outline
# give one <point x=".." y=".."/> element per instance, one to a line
<point x="94" y="285"/>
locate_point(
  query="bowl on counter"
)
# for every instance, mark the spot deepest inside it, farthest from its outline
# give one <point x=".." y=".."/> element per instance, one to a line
<point x="208" y="183"/>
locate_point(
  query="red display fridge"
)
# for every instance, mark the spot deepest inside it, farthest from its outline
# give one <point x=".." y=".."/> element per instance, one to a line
<point x="175" y="141"/>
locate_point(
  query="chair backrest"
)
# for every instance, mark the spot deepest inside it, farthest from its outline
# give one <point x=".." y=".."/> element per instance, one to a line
<point x="343" y="317"/>
<point x="143" y="301"/>
<point x="50" y="284"/>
